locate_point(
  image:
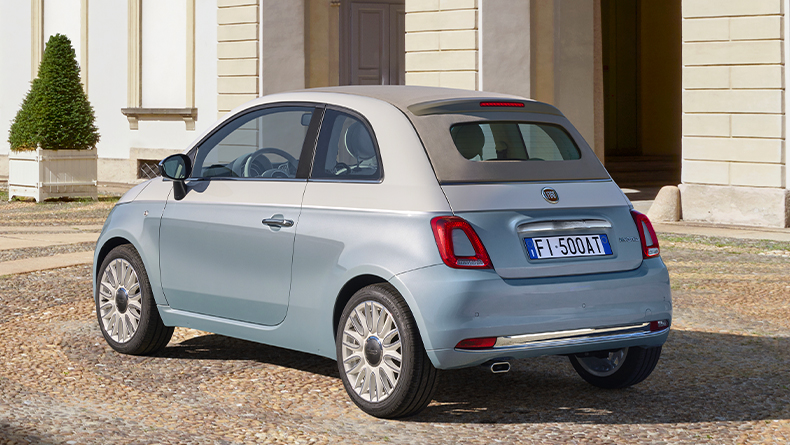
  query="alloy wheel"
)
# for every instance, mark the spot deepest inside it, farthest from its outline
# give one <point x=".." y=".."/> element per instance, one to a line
<point x="120" y="300"/>
<point x="372" y="351"/>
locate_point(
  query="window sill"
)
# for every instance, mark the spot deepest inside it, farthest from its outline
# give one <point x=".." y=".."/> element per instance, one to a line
<point x="134" y="115"/>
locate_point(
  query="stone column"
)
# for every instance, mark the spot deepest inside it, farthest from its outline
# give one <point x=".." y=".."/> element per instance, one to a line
<point x="733" y="113"/>
<point x="282" y="46"/>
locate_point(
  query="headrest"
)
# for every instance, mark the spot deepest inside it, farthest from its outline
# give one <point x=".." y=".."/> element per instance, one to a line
<point x="469" y="139"/>
<point x="358" y="142"/>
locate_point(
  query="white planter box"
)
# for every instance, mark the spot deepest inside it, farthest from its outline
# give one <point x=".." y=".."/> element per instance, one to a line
<point x="43" y="174"/>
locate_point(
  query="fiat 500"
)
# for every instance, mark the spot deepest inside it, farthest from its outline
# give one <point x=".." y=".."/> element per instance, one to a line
<point x="397" y="230"/>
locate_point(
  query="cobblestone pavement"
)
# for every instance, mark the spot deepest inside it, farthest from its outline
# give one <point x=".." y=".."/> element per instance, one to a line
<point x="722" y="377"/>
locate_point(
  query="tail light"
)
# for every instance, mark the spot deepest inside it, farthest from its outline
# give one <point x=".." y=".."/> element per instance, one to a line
<point x="659" y="325"/>
<point x="646" y="235"/>
<point x="459" y="245"/>
<point x="502" y="104"/>
<point x="477" y="343"/>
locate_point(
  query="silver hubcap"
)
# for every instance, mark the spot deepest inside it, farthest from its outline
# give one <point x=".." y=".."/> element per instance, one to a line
<point x="120" y="300"/>
<point x="606" y="366"/>
<point x="372" y="351"/>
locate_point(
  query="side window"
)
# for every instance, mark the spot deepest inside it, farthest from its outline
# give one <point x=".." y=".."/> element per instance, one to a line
<point x="261" y="144"/>
<point x="346" y="149"/>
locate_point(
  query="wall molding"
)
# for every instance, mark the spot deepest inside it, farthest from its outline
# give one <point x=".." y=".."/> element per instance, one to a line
<point x="134" y="61"/>
<point x="84" y="44"/>
<point x="136" y="114"/>
<point x="134" y="110"/>
<point x="36" y="36"/>
<point x="190" y="49"/>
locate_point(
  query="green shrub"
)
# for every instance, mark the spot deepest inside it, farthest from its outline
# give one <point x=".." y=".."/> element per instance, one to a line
<point x="56" y="113"/>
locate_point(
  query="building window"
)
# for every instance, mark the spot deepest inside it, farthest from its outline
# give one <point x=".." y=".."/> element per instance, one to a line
<point x="147" y="168"/>
<point x="161" y="62"/>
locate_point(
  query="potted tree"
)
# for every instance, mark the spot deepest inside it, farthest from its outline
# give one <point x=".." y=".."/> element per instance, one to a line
<point x="53" y="136"/>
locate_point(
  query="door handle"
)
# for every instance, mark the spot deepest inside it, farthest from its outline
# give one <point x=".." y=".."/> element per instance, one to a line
<point x="273" y="222"/>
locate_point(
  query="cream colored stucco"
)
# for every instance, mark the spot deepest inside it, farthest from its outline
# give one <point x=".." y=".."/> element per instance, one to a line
<point x="518" y="53"/>
<point x="505" y="51"/>
<point x="283" y="44"/>
<point x="322" y="40"/>
<point x="36" y="35"/>
<point x="84" y="44"/>
<point x="734" y="122"/>
<point x="238" y="65"/>
<point x="134" y="60"/>
<point x="442" y="40"/>
<point x="4" y="167"/>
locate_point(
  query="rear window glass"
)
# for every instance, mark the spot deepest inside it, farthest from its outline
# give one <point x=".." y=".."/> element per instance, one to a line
<point x="345" y="149"/>
<point x="513" y="141"/>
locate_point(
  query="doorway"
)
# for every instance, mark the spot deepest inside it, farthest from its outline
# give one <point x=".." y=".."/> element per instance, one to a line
<point x="372" y="42"/>
<point x="641" y="57"/>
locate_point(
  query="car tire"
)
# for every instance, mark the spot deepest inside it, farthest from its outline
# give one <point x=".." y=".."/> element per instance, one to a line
<point x="616" y="369"/>
<point x="125" y="306"/>
<point x="378" y="341"/>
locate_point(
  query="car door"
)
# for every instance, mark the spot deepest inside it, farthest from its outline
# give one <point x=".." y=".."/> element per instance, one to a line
<point x="226" y="247"/>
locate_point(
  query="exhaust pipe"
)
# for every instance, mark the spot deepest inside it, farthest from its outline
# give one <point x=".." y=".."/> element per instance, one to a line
<point x="500" y="367"/>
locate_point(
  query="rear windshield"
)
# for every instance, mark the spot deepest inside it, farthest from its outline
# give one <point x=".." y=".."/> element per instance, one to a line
<point x="505" y="146"/>
<point x="513" y="141"/>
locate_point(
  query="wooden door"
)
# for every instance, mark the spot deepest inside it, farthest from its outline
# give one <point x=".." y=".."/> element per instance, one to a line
<point x="373" y="50"/>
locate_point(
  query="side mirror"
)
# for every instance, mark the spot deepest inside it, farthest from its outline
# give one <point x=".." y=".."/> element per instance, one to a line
<point x="177" y="167"/>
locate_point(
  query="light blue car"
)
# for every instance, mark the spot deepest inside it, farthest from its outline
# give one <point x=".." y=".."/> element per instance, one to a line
<point x="398" y="230"/>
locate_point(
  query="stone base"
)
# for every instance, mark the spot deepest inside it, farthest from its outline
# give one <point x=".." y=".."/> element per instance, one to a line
<point x="666" y="206"/>
<point x="748" y="206"/>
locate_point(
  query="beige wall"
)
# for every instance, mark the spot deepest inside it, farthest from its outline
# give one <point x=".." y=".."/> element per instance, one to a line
<point x="519" y="52"/>
<point x="733" y="111"/>
<point x="265" y="37"/>
<point x="733" y="93"/>
<point x="237" y="51"/>
<point x="322" y="42"/>
<point x="574" y="65"/>
<point x="282" y="46"/>
<point x="442" y="43"/>
<point x="565" y="70"/>
<point x="505" y="47"/>
<point x="4" y="167"/>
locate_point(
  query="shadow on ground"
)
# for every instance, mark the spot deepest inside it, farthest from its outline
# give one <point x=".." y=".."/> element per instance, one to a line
<point x="702" y="377"/>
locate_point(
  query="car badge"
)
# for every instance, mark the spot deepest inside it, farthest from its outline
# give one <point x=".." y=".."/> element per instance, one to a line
<point x="550" y="195"/>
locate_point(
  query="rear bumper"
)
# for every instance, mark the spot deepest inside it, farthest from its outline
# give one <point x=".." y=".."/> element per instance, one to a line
<point x="538" y="316"/>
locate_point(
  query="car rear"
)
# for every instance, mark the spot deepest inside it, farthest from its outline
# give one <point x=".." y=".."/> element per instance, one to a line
<point x="542" y="253"/>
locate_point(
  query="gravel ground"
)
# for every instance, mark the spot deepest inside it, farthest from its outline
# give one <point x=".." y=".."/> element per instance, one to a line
<point x="35" y="252"/>
<point x="54" y="213"/>
<point x="55" y="216"/>
<point x="722" y="377"/>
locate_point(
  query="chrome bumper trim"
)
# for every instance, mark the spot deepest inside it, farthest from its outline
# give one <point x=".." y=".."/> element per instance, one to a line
<point x="576" y="337"/>
<point x="550" y="226"/>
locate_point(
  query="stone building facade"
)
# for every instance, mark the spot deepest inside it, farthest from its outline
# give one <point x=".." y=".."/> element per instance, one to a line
<point x="688" y="92"/>
<point x="734" y="105"/>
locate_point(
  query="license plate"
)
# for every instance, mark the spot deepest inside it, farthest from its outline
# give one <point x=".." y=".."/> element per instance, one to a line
<point x="568" y="246"/>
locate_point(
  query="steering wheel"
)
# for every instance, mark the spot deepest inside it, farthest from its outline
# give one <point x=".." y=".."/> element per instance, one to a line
<point x="293" y="163"/>
<point x="341" y="169"/>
